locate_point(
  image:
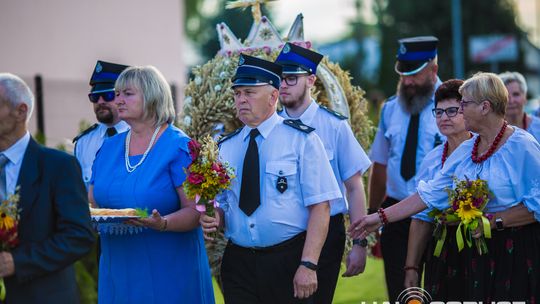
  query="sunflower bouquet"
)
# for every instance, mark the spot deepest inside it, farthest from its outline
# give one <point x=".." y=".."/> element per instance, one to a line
<point x="9" y="225"/>
<point x="467" y="201"/>
<point x="207" y="176"/>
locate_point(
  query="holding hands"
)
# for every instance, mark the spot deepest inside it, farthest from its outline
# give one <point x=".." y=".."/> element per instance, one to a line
<point x="361" y="228"/>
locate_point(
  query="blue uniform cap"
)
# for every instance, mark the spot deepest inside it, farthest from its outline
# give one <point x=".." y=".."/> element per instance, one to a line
<point x="298" y="60"/>
<point x="415" y="53"/>
<point x="253" y="71"/>
<point x="104" y="76"/>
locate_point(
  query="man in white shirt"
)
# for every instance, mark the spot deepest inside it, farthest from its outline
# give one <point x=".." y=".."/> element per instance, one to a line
<point x="347" y="158"/>
<point x="101" y="95"/>
<point x="407" y="132"/>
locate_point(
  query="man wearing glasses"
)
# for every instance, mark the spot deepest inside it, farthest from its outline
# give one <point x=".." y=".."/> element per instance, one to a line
<point x="407" y="132"/>
<point x="101" y="96"/>
<point x="347" y="158"/>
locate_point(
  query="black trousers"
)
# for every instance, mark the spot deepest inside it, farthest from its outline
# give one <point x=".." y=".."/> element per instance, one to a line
<point x="394" y="240"/>
<point x="263" y="275"/>
<point x="330" y="260"/>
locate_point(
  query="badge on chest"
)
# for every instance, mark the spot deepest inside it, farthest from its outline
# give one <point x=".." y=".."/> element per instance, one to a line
<point x="281" y="184"/>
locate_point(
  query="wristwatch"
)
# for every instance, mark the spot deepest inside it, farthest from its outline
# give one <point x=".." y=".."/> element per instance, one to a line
<point x="499" y="224"/>
<point x="361" y="243"/>
<point x="309" y="265"/>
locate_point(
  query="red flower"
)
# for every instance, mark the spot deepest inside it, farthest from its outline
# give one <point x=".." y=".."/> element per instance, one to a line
<point x="195" y="178"/>
<point x="194" y="149"/>
<point x="509" y="245"/>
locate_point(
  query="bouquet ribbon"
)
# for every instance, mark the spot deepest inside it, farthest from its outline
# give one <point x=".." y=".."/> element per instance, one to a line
<point x="2" y="290"/>
<point x="440" y="242"/>
<point x="485" y="226"/>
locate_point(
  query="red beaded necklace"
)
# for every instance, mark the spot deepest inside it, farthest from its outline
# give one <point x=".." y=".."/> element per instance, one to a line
<point x="444" y="154"/>
<point x="445" y="151"/>
<point x="525" y="121"/>
<point x="478" y="159"/>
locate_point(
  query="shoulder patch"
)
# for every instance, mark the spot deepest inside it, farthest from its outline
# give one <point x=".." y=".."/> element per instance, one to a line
<point x="83" y="133"/>
<point x="391" y="98"/>
<point x="299" y="125"/>
<point x="336" y="114"/>
<point x="229" y="136"/>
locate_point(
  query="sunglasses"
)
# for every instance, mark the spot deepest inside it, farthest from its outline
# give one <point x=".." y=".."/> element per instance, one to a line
<point x="107" y="96"/>
<point x="450" y="112"/>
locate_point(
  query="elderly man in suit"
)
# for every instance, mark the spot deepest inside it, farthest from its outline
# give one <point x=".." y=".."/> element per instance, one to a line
<point x="54" y="227"/>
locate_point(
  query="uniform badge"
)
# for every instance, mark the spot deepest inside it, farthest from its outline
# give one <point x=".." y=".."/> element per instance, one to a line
<point x="402" y="48"/>
<point x="99" y="68"/>
<point x="241" y="60"/>
<point x="281" y="184"/>
<point x="286" y="48"/>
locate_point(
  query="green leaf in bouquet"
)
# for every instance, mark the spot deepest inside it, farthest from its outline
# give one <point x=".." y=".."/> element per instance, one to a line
<point x="141" y="212"/>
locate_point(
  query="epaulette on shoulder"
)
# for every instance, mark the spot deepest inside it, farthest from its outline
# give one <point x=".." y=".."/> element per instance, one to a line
<point x="229" y="136"/>
<point x="391" y="98"/>
<point x="83" y="133"/>
<point x="297" y="124"/>
<point x="336" y="114"/>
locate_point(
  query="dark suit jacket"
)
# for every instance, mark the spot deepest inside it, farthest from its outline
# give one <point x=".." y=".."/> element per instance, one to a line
<point x="54" y="229"/>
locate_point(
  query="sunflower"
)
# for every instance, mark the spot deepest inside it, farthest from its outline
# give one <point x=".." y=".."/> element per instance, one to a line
<point x="6" y="221"/>
<point x="467" y="211"/>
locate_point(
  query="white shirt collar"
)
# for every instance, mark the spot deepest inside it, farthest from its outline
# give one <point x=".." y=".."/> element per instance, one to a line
<point x="120" y="127"/>
<point x="265" y="127"/>
<point x="15" y="153"/>
<point x="308" y="115"/>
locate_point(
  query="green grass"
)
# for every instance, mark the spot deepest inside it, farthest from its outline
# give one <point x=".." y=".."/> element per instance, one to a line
<point x="367" y="287"/>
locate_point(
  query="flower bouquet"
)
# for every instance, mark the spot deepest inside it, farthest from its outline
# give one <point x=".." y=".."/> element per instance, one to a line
<point x="9" y="225"/>
<point x="467" y="202"/>
<point x="207" y="176"/>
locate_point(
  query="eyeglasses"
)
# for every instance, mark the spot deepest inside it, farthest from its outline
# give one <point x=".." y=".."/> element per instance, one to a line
<point x="463" y="103"/>
<point x="107" y="96"/>
<point x="450" y="112"/>
<point x="292" y="80"/>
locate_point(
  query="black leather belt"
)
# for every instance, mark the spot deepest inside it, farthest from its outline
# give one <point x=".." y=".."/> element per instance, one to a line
<point x="282" y="245"/>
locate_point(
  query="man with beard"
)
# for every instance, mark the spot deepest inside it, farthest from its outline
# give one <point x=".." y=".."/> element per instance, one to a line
<point x="400" y="146"/>
<point x="347" y="158"/>
<point x="101" y="95"/>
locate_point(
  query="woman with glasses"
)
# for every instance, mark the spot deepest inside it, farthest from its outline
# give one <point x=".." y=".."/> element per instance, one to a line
<point x="517" y="99"/>
<point x="165" y="260"/>
<point x="508" y="158"/>
<point x="451" y="124"/>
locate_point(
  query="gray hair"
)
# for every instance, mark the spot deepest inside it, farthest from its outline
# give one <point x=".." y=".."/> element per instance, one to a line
<point x="508" y="77"/>
<point x="16" y="91"/>
<point x="158" y="102"/>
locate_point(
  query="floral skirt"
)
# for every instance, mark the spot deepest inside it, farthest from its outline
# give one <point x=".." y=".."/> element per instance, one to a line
<point x="508" y="272"/>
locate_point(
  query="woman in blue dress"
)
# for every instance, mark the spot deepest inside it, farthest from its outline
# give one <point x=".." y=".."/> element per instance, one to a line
<point x="508" y="159"/>
<point x="163" y="259"/>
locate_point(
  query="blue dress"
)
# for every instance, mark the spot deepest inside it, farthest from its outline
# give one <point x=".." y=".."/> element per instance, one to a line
<point x="149" y="266"/>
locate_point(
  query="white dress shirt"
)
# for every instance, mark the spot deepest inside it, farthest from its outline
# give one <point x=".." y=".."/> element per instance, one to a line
<point x="87" y="146"/>
<point x="15" y="155"/>
<point x="283" y="152"/>
<point x="343" y="150"/>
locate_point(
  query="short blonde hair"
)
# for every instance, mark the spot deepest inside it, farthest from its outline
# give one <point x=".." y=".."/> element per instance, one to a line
<point x="157" y="96"/>
<point x="487" y="86"/>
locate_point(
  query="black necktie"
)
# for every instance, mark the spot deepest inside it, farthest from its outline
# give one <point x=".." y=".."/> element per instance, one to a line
<point x="111" y="131"/>
<point x="408" y="158"/>
<point x="250" y="193"/>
